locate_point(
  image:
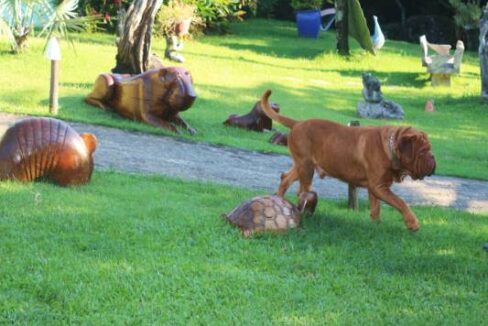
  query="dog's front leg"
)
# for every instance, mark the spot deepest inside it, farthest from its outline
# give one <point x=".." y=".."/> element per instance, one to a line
<point x="286" y="180"/>
<point x="384" y="193"/>
<point x="374" y="205"/>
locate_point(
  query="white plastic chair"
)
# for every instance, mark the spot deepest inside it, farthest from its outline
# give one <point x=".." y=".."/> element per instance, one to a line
<point x="327" y="12"/>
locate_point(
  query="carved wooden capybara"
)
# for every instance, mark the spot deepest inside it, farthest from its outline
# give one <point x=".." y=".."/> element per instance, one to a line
<point x="35" y="148"/>
<point x="254" y="120"/>
<point x="155" y="97"/>
<point x="270" y="213"/>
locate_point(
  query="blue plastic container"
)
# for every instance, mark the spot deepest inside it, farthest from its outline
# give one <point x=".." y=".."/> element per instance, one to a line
<point x="308" y="23"/>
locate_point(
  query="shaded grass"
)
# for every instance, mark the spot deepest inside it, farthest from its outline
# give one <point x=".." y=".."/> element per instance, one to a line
<point x="131" y="249"/>
<point x="308" y="79"/>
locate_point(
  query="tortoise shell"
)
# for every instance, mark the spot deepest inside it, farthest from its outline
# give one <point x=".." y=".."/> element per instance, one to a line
<point x="267" y="213"/>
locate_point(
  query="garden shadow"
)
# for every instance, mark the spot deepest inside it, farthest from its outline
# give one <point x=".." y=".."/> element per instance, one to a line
<point x="280" y="40"/>
<point x="433" y="248"/>
<point x="396" y="78"/>
<point x="87" y="86"/>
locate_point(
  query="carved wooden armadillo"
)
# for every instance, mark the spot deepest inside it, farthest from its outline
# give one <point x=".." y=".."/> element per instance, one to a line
<point x="35" y="148"/>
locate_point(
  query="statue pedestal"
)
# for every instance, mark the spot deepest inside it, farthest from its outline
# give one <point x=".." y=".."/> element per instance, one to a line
<point x="441" y="79"/>
<point x="381" y="110"/>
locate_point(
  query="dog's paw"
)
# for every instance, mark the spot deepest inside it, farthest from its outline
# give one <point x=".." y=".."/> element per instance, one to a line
<point x="414" y="226"/>
<point x="375" y="220"/>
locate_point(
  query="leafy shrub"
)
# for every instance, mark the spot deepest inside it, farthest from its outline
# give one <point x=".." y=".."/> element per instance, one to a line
<point x="169" y="15"/>
<point x="266" y="8"/>
<point x="467" y="14"/>
<point x="107" y="9"/>
<point x="306" y="4"/>
<point x="216" y="14"/>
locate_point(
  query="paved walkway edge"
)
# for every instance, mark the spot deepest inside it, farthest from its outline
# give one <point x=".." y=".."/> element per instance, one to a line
<point x="151" y="154"/>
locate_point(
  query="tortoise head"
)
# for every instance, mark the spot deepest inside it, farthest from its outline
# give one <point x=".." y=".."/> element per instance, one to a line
<point x="307" y="202"/>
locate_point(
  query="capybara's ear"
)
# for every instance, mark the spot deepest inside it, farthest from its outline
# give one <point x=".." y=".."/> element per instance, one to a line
<point x="162" y="74"/>
<point x="90" y="141"/>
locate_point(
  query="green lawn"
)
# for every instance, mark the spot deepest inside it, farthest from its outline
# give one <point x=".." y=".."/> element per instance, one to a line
<point x="125" y="250"/>
<point x="308" y="79"/>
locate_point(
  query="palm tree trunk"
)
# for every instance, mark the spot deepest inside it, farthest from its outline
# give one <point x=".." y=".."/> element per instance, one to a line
<point x="483" y="53"/>
<point x="403" y="17"/>
<point x="341" y="25"/>
<point x="134" y="45"/>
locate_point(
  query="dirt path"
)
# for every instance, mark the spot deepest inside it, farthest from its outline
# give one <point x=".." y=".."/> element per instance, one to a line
<point x="150" y="154"/>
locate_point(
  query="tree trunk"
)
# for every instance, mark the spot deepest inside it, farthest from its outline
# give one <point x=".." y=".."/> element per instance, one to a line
<point x="341" y="24"/>
<point x="483" y="53"/>
<point x="403" y="17"/>
<point x="134" y="45"/>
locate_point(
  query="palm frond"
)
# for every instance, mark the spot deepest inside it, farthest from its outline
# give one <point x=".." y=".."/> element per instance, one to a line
<point x="6" y="32"/>
<point x="63" y="19"/>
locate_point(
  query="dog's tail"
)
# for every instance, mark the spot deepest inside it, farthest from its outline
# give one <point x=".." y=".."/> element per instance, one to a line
<point x="287" y="122"/>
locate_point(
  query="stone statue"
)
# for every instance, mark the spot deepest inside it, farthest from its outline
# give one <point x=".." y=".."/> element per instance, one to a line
<point x="371" y="88"/>
<point x="374" y="105"/>
<point x="483" y="53"/>
<point x="173" y="45"/>
<point x="35" y="148"/>
<point x="155" y="97"/>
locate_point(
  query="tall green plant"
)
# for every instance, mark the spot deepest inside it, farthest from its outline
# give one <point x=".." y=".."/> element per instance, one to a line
<point x="19" y="17"/>
<point x="17" y="20"/>
<point x="467" y="14"/>
<point x="216" y="14"/>
<point x="306" y="4"/>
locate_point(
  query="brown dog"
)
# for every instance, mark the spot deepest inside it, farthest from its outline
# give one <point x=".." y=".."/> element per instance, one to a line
<point x="370" y="157"/>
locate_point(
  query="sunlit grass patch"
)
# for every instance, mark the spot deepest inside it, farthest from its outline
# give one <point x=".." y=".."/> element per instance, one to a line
<point x="129" y="249"/>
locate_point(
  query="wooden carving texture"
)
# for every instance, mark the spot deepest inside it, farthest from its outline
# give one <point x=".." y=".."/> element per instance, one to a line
<point x="35" y="148"/>
<point x="155" y="97"/>
<point x="254" y="120"/>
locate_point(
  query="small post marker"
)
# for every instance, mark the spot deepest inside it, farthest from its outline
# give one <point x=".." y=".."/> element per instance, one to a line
<point x="353" y="202"/>
<point x="53" y="53"/>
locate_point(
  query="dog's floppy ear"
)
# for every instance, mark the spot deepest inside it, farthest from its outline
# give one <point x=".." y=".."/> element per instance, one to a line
<point x="405" y="147"/>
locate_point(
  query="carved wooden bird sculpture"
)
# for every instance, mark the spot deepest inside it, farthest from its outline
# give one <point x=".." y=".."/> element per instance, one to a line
<point x="378" y="39"/>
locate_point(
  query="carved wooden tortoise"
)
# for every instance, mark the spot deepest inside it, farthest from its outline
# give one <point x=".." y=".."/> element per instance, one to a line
<point x="270" y="213"/>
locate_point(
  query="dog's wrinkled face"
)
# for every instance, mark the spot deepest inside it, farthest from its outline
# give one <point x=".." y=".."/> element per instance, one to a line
<point x="415" y="154"/>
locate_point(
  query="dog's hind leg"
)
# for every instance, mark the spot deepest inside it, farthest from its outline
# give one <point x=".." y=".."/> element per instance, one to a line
<point x="102" y="92"/>
<point x="286" y="180"/>
<point x="305" y="175"/>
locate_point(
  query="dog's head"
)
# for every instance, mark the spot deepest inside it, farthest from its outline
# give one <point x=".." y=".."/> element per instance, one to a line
<point x="414" y="153"/>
